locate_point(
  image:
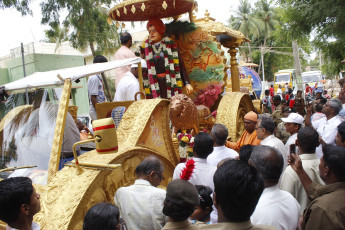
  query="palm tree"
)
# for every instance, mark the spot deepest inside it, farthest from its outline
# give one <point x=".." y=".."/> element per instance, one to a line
<point x="266" y="16"/>
<point x="245" y="22"/>
<point x="56" y="34"/>
<point x="267" y="23"/>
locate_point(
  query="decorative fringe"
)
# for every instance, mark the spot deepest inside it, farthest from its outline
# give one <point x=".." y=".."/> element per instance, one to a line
<point x="187" y="171"/>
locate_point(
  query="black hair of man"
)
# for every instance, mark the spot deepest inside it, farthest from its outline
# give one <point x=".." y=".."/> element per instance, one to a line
<point x="14" y="192"/>
<point x="267" y="92"/>
<point x="299" y="91"/>
<point x="203" y="145"/>
<point x="245" y="152"/>
<point x="267" y="122"/>
<point x="205" y="197"/>
<point x="341" y="131"/>
<point x="103" y="216"/>
<point x="238" y="187"/>
<point x="323" y="100"/>
<point x="334" y="158"/>
<point x="271" y="85"/>
<point x="149" y="164"/>
<point x="125" y="37"/>
<point x="269" y="162"/>
<point x="277" y="98"/>
<point x="178" y="212"/>
<point x="100" y="59"/>
<point x="220" y="134"/>
<point x="318" y="107"/>
<point x="308" y="139"/>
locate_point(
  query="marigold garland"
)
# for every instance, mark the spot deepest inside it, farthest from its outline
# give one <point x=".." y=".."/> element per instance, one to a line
<point x="172" y="70"/>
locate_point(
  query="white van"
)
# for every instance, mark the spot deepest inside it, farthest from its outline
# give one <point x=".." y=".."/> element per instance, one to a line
<point x="313" y="79"/>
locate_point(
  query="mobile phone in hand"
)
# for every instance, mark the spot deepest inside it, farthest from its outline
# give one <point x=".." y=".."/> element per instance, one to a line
<point x="293" y="148"/>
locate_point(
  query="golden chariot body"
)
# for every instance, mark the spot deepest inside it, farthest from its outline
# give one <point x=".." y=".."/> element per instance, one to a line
<point x="144" y="129"/>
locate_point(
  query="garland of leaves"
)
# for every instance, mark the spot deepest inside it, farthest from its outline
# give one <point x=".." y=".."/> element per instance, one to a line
<point x="172" y="70"/>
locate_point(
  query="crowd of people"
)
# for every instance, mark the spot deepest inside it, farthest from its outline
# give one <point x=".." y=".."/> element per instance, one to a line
<point x="285" y="172"/>
<point x="257" y="182"/>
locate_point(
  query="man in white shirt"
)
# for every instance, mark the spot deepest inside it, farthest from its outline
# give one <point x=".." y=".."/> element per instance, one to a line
<point x="279" y="91"/>
<point x="238" y="187"/>
<point x="293" y="124"/>
<point x="275" y="207"/>
<point x="264" y="129"/>
<point x="220" y="133"/>
<point x="307" y="141"/>
<point x="19" y="202"/>
<point x="327" y="127"/>
<point x="141" y="204"/>
<point x="95" y="89"/>
<point x="129" y="84"/>
<point x="202" y="172"/>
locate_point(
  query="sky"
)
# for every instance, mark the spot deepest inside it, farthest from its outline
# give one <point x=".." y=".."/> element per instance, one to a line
<point x="16" y="28"/>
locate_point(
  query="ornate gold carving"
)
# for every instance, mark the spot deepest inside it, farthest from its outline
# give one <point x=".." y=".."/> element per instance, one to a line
<point x="133" y="9"/>
<point x="235" y="74"/>
<point x="142" y="7"/>
<point x="118" y="13"/>
<point x="208" y="24"/>
<point x="164" y="5"/>
<point x="257" y="105"/>
<point x="59" y="130"/>
<point x="125" y="10"/>
<point x="73" y="110"/>
<point x="71" y="192"/>
<point x="231" y="111"/>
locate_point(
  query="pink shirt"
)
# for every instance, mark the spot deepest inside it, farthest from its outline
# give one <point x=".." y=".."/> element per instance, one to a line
<point x="123" y="53"/>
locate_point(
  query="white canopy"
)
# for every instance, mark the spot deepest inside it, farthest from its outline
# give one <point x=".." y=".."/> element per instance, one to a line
<point x="57" y="77"/>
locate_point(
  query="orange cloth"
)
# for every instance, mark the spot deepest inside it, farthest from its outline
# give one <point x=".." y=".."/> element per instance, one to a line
<point x="246" y="139"/>
<point x="158" y="24"/>
<point x="251" y="116"/>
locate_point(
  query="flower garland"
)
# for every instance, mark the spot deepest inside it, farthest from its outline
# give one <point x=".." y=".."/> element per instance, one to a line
<point x="172" y="70"/>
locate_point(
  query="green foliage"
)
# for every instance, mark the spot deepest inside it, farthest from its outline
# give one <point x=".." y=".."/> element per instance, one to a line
<point x="244" y="21"/>
<point x="271" y="33"/>
<point x="326" y="21"/>
<point x="176" y="28"/>
<point x="22" y="6"/>
<point x="86" y="21"/>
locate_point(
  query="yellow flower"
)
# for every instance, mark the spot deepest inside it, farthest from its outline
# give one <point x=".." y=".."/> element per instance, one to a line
<point x="185" y="139"/>
<point x="176" y="61"/>
<point x="179" y="83"/>
<point x="147" y="91"/>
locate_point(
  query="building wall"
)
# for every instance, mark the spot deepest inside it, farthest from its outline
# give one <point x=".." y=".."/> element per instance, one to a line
<point x="46" y="62"/>
<point x="4" y="78"/>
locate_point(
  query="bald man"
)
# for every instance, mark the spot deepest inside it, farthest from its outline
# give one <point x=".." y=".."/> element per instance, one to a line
<point x="249" y="135"/>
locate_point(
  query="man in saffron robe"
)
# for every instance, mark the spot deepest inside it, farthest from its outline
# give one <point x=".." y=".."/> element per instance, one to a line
<point x="166" y="71"/>
<point x="249" y="135"/>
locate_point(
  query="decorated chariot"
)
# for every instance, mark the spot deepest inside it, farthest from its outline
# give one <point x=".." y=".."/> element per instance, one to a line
<point x="32" y="134"/>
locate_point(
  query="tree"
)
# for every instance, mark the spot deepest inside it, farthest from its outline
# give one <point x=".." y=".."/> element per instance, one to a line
<point x="56" y="34"/>
<point x="245" y="22"/>
<point x="267" y="23"/>
<point x="87" y="23"/>
<point x="22" y="6"/>
<point x="267" y="18"/>
<point x="325" y="19"/>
